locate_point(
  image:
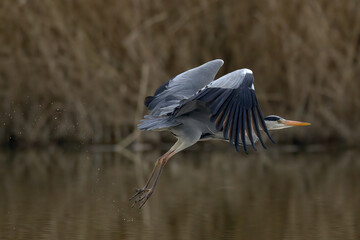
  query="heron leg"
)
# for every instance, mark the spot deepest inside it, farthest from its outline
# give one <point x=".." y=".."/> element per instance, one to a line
<point x="155" y="169"/>
<point x="147" y="195"/>
<point x="143" y="194"/>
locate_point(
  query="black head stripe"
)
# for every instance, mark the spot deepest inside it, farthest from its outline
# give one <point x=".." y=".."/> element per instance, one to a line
<point x="272" y="118"/>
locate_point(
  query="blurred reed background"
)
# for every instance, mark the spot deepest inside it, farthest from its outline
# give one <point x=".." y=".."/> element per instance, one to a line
<point x="71" y="71"/>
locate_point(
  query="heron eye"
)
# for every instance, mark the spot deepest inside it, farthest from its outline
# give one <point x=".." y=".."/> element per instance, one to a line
<point x="279" y="121"/>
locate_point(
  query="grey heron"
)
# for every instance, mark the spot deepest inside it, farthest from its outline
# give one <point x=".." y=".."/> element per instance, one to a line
<point x="195" y="107"/>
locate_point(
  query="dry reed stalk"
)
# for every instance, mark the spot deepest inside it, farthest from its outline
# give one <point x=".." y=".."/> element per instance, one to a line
<point x="71" y="71"/>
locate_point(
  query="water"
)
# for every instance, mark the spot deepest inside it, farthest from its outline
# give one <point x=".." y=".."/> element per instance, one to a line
<point x="208" y="195"/>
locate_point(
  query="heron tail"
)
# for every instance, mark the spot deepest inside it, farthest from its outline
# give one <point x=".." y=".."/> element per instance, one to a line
<point x="156" y="123"/>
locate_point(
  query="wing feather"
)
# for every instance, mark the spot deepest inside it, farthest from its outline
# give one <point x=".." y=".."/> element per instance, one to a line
<point x="234" y="125"/>
<point x="263" y="122"/>
<point x="248" y="127"/>
<point x="170" y="94"/>
<point x="229" y="118"/>
<point x="243" y="130"/>
<point x="233" y="108"/>
<point x="223" y="115"/>
<point x="256" y="124"/>
<point x="218" y="103"/>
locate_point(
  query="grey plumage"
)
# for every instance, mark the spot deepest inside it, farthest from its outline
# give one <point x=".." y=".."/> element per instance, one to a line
<point x="168" y="95"/>
<point x="226" y="105"/>
<point x="155" y="123"/>
<point x="183" y="86"/>
<point x="195" y="108"/>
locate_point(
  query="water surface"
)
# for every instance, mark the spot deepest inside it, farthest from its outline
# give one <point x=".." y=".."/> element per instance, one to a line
<point x="208" y="195"/>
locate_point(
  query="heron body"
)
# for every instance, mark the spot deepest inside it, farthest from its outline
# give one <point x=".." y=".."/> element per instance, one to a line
<point x="195" y="107"/>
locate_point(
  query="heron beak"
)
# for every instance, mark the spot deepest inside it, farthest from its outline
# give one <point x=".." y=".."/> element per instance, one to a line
<point x="294" y="123"/>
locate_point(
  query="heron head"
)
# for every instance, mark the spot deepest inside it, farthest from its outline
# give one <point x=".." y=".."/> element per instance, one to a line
<point x="274" y="122"/>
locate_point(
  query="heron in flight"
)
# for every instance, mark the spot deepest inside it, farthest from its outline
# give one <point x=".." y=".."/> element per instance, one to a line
<point x="195" y="107"/>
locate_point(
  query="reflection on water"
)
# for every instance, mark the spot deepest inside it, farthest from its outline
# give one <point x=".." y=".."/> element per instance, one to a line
<point x="212" y="195"/>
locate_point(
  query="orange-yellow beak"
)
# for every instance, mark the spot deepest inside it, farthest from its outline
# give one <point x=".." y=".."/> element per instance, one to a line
<point x="294" y="123"/>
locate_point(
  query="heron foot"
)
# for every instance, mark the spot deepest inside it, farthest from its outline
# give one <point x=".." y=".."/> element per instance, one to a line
<point x="141" y="196"/>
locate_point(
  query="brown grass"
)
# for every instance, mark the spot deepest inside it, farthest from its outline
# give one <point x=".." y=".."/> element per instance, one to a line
<point x="71" y="70"/>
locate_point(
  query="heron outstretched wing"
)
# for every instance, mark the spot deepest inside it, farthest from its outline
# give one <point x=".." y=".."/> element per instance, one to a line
<point x="233" y="106"/>
<point x="168" y="95"/>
